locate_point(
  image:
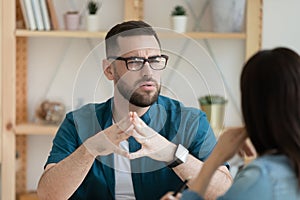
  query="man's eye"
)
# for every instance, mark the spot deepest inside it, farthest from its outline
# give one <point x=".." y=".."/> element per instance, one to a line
<point x="156" y="60"/>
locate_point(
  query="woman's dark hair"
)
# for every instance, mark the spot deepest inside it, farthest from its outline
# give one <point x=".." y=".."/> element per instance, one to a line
<point x="129" y="28"/>
<point x="270" y="87"/>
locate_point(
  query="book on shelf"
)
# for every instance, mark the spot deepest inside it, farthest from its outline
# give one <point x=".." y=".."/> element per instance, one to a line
<point x="38" y="14"/>
<point x="29" y="13"/>
<point x="45" y="15"/>
<point x="53" y="16"/>
<point x="24" y="14"/>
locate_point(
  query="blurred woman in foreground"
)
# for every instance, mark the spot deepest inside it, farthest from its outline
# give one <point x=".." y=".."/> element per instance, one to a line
<point x="270" y="90"/>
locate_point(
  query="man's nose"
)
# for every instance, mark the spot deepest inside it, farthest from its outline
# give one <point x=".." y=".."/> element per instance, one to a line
<point x="147" y="70"/>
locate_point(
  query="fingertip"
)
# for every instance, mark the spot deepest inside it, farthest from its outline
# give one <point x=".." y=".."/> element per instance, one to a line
<point x="170" y="197"/>
<point x="133" y="156"/>
<point x="179" y="195"/>
<point x="125" y="154"/>
<point x="121" y="152"/>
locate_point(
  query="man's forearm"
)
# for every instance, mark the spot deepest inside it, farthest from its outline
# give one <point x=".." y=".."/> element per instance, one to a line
<point x="62" y="179"/>
<point x="219" y="183"/>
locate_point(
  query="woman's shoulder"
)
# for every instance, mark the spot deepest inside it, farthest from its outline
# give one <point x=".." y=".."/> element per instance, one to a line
<point x="269" y="167"/>
<point x="273" y="165"/>
<point x="267" y="177"/>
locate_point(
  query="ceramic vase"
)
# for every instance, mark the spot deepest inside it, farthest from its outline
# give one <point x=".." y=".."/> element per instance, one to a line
<point x="228" y="15"/>
<point x="72" y="20"/>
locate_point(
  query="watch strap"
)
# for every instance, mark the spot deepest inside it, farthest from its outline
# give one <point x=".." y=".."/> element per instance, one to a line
<point x="175" y="163"/>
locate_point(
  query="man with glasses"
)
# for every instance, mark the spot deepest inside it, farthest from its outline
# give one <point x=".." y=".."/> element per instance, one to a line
<point x="136" y="145"/>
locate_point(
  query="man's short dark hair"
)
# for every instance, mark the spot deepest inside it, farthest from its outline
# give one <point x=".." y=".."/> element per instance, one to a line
<point x="129" y="28"/>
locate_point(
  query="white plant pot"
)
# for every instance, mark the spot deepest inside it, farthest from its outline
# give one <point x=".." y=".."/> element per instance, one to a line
<point x="228" y="15"/>
<point x="179" y="23"/>
<point x="93" y="23"/>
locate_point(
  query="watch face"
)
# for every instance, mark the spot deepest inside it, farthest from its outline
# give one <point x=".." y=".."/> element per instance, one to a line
<point x="180" y="156"/>
<point x="181" y="153"/>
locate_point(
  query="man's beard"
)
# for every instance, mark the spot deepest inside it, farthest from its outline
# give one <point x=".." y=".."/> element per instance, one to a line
<point x="134" y="97"/>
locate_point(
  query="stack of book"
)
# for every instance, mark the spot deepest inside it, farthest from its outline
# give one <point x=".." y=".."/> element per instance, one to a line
<point x="39" y="15"/>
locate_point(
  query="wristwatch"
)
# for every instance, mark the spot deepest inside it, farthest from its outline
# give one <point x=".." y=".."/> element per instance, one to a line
<point x="180" y="156"/>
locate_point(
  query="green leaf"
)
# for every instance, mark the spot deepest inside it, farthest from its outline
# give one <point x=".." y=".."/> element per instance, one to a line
<point x="178" y="10"/>
<point x="93" y="7"/>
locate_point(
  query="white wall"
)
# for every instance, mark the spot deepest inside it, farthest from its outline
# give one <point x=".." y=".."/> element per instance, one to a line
<point x="54" y="64"/>
<point x="280" y="24"/>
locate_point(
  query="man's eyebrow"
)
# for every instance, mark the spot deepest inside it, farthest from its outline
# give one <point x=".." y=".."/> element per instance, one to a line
<point x="154" y="56"/>
<point x="142" y="56"/>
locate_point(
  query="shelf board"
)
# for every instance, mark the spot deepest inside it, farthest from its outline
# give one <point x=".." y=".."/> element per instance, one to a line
<point x="35" y="129"/>
<point x="59" y="33"/>
<point x="86" y="34"/>
<point x="204" y="35"/>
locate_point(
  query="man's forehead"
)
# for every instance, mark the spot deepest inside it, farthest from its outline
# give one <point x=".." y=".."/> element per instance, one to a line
<point x="134" y="43"/>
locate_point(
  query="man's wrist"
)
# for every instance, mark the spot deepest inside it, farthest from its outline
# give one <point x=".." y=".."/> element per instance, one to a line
<point x="90" y="146"/>
<point x="170" y="152"/>
<point x="88" y="151"/>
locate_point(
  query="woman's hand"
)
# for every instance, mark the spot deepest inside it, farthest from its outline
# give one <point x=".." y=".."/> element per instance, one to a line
<point x="229" y="143"/>
<point x="247" y="149"/>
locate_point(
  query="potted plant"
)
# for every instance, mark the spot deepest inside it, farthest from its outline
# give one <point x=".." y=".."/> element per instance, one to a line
<point x="179" y="19"/>
<point x="92" y="7"/>
<point x="214" y="107"/>
<point x="92" y="17"/>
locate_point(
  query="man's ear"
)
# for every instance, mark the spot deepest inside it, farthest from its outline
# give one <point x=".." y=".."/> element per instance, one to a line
<point x="107" y="69"/>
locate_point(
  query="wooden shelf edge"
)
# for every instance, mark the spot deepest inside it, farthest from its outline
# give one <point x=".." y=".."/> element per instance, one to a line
<point x="204" y="35"/>
<point x="31" y="195"/>
<point x="86" y="34"/>
<point x="59" y="33"/>
<point x="35" y="129"/>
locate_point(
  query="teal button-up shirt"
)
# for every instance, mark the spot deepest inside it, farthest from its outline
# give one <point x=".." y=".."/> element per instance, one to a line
<point x="151" y="179"/>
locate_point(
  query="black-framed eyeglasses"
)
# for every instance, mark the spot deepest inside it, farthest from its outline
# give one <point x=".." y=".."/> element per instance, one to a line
<point x="137" y="63"/>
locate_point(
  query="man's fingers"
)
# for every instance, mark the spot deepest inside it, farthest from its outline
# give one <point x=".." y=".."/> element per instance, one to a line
<point x="116" y="138"/>
<point x="141" y="139"/>
<point x="142" y="128"/>
<point x="139" y="124"/>
<point x="168" y="196"/>
<point x="124" y="136"/>
<point x="137" y="154"/>
<point x="121" y="152"/>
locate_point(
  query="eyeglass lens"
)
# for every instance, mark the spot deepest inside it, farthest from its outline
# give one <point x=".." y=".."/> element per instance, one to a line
<point x="156" y="63"/>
